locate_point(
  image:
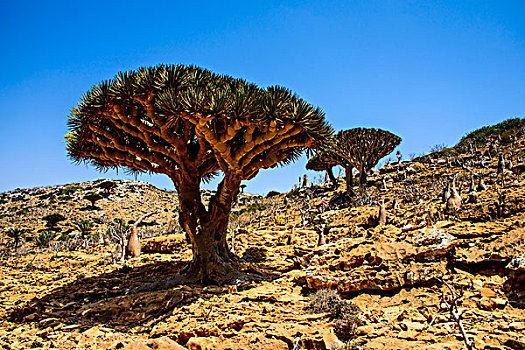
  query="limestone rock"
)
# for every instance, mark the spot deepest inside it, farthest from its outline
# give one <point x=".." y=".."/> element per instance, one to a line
<point x="201" y="343"/>
<point x="164" y="244"/>
<point x="164" y="343"/>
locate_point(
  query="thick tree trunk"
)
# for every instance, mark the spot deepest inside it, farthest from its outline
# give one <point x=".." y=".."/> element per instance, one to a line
<point x="349" y="181"/>
<point x="331" y="176"/>
<point x="207" y="231"/>
<point x="363" y="177"/>
<point x="133" y="247"/>
<point x="211" y="261"/>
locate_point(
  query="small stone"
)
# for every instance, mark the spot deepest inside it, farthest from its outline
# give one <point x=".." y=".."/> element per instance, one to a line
<point x="364" y="330"/>
<point x="500" y="303"/>
<point x="517" y="326"/>
<point x="447" y="328"/>
<point x="415" y="326"/>
<point x="478" y="284"/>
<point x="201" y="343"/>
<point x="93" y="332"/>
<point x="419" y="318"/>
<point x="164" y="343"/>
<point x="488" y="293"/>
<point x="409" y="335"/>
<point x="136" y="345"/>
<point x="487" y="304"/>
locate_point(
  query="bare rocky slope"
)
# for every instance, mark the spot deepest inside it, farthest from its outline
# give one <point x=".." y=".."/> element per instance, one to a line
<point x="402" y="276"/>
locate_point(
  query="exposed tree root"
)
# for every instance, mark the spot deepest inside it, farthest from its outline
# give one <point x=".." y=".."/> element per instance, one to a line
<point x="186" y="277"/>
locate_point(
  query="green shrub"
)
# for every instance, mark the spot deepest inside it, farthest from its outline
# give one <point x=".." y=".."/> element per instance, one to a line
<point x="107" y="185"/>
<point x="504" y="129"/>
<point x="293" y="193"/>
<point x="44" y="238"/>
<point x="16" y="234"/>
<point x="84" y="226"/>
<point x="252" y="207"/>
<point x="438" y="148"/>
<point x="256" y="207"/>
<point x="66" y="191"/>
<point x="22" y="211"/>
<point x="17" y="198"/>
<point x="234" y="215"/>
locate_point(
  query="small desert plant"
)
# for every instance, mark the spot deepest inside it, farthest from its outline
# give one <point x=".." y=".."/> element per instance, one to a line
<point x="240" y="219"/>
<point x="68" y="190"/>
<point x="44" y="238"/>
<point x="251" y="208"/>
<point x="85" y="227"/>
<point x="209" y="305"/>
<point x="257" y="206"/>
<point x="347" y="313"/>
<point x="328" y="301"/>
<point x="16" y="234"/>
<point x="118" y="232"/>
<point x="346" y="326"/>
<point x="438" y="148"/>
<point x="65" y="242"/>
<point x="171" y="227"/>
<point x="366" y="196"/>
<point x="293" y="193"/>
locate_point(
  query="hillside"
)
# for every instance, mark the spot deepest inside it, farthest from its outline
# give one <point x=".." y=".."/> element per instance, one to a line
<point x="127" y="200"/>
<point x="395" y="280"/>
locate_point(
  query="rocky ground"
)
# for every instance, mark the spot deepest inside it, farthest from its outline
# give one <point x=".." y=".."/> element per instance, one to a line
<point x="403" y="275"/>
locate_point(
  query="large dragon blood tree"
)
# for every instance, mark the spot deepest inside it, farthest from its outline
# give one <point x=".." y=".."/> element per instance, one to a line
<point x="362" y="148"/>
<point x="191" y="124"/>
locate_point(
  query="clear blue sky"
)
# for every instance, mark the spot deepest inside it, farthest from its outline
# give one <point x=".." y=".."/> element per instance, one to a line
<point x="429" y="71"/>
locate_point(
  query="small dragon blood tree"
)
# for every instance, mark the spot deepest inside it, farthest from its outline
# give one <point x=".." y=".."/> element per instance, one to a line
<point x="325" y="161"/>
<point x="362" y="148"/>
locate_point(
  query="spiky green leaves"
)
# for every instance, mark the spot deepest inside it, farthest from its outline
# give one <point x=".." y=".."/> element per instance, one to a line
<point x="324" y="160"/>
<point x="362" y="147"/>
<point x="176" y="118"/>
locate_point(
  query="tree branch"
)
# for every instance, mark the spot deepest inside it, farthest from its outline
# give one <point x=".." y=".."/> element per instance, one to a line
<point x="455" y="314"/>
<point x="142" y="218"/>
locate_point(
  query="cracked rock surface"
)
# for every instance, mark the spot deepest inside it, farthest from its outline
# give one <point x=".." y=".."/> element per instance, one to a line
<point x="79" y="297"/>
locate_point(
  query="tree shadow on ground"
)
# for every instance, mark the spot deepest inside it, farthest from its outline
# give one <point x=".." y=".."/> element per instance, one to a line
<point x="90" y="208"/>
<point x="110" y="300"/>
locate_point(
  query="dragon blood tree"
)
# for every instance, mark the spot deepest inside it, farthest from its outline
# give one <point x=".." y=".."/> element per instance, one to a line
<point x="324" y="161"/>
<point x="362" y="148"/>
<point x="191" y="124"/>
